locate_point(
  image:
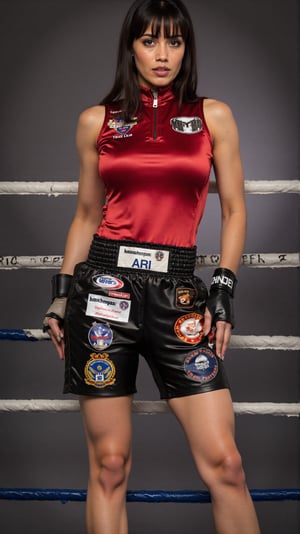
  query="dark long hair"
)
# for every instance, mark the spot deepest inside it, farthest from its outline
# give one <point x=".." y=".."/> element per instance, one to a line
<point x="176" y="19"/>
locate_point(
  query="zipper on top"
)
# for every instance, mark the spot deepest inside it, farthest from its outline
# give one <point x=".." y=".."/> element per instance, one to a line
<point x="155" y="106"/>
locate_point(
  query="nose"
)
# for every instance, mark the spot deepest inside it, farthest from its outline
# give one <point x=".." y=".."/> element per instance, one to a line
<point x="162" y="52"/>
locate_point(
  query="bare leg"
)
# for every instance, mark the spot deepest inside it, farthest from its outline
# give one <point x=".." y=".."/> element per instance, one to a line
<point x="208" y="422"/>
<point x="107" y="424"/>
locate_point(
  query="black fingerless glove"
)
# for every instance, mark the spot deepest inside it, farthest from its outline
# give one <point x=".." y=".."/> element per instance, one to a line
<point x="60" y="289"/>
<point x="61" y="284"/>
<point x="220" y="299"/>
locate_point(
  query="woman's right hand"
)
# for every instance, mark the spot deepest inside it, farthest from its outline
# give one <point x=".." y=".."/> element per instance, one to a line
<point x="53" y="324"/>
<point x="56" y="333"/>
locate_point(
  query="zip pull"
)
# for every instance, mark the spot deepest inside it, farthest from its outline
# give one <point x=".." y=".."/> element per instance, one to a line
<point x="155" y="106"/>
<point x="155" y="99"/>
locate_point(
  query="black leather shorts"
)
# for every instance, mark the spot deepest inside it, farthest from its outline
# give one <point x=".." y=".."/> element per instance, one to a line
<point x="144" y="300"/>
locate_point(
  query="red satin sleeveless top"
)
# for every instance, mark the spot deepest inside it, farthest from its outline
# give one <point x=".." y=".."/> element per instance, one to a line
<point x="155" y="170"/>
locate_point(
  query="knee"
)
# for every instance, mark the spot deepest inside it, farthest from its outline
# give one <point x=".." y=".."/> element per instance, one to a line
<point x="232" y="472"/>
<point x="111" y="471"/>
<point x="228" y="470"/>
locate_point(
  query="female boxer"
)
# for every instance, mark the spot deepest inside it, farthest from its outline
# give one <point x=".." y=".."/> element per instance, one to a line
<point x="128" y="272"/>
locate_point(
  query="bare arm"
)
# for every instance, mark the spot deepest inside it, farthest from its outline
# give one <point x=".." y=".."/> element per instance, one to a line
<point x="230" y="184"/>
<point x="91" y="198"/>
<point x="91" y="194"/>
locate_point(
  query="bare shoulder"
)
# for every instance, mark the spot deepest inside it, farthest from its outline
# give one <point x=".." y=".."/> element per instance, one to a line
<point x="219" y="116"/>
<point x="216" y="109"/>
<point x="90" y="122"/>
<point x="92" y="117"/>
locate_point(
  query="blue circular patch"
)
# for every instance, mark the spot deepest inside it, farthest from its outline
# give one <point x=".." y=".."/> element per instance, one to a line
<point x="201" y="365"/>
<point x="100" y="336"/>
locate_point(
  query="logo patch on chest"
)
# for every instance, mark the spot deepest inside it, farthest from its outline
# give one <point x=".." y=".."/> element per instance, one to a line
<point x="121" y="127"/>
<point x="186" y="125"/>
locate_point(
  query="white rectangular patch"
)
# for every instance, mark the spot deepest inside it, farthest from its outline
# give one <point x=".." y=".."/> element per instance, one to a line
<point x="108" y="308"/>
<point x="144" y="258"/>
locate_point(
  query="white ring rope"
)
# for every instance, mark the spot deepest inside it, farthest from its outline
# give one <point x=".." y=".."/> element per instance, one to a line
<point x="244" y="342"/>
<point x="39" y="188"/>
<point x="265" y="342"/>
<point x="257" y="260"/>
<point x="274" y="260"/>
<point x="145" y="407"/>
<point x="236" y="341"/>
<point x="260" y="187"/>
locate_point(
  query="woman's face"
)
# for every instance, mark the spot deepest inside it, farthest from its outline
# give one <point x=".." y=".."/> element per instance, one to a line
<point x="158" y="59"/>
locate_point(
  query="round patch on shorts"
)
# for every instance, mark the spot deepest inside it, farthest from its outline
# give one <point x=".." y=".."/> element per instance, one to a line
<point x="99" y="371"/>
<point x="188" y="328"/>
<point x="201" y="365"/>
<point x="100" y="336"/>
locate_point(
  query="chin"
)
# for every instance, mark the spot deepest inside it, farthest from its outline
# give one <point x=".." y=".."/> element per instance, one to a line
<point x="162" y="82"/>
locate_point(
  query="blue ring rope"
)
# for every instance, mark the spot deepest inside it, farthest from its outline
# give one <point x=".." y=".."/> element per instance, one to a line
<point x="149" y="496"/>
<point x="17" y="335"/>
<point x="155" y="496"/>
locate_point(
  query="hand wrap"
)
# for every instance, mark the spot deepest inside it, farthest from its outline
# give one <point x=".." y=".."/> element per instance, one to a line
<point x="60" y="288"/>
<point x="220" y="300"/>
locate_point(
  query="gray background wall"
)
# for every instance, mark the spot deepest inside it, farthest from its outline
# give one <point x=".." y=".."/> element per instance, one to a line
<point x="58" y="57"/>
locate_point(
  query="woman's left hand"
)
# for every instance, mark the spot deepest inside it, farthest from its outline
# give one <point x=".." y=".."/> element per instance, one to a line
<point x="222" y="333"/>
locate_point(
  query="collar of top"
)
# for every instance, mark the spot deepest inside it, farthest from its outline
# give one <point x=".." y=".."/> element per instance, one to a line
<point x="164" y="94"/>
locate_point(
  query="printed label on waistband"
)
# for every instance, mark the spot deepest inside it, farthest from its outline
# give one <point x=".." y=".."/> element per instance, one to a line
<point x="148" y="259"/>
<point x="108" y="308"/>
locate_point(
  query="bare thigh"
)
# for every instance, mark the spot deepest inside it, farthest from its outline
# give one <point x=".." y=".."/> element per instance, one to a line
<point x="107" y="423"/>
<point x="208" y="422"/>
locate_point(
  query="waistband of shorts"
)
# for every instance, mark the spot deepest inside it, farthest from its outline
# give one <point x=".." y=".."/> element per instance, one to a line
<point x="104" y="254"/>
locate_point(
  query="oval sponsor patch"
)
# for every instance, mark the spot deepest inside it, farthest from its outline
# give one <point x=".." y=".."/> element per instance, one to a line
<point x="201" y="365"/>
<point x="105" y="281"/>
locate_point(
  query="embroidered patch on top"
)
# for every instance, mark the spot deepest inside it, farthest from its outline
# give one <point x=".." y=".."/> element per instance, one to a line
<point x="120" y="126"/>
<point x="100" y="336"/>
<point x="99" y="371"/>
<point x="188" y="328"/>
<point x="105" y="281"/>
<point x="185" y="297"/>
<point x="186" y="125"/>
<point x="201" y="365"/>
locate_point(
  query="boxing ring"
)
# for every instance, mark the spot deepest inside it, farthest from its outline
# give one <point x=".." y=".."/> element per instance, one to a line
<point x="278" y="260"/>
